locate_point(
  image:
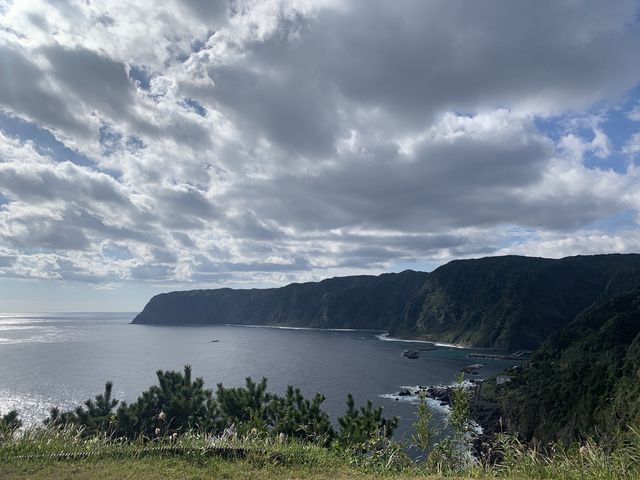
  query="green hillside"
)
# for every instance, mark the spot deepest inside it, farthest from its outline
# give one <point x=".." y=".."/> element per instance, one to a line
<point x="503" y="302"/>
<point x="585" y="379"/>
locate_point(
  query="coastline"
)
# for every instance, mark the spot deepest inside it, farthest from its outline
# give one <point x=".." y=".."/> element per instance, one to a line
<point x="485" y="417"/>
<point x="384" y="336"/>
<point x="439" y="397"/>
<point x="279" y="327"/>
<point x="381" y="334"/>
<point x="313" y="329"/>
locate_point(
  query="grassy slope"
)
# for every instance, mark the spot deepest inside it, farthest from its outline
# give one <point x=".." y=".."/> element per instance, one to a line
<point x="168" y="467"/>
<point x="592" y="465"/>
<point x="121" y="461"/>
<point x="32" y="454"/>
<point x="29" y="455"/>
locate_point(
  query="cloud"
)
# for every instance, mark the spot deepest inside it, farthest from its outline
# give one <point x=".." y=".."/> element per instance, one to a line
<point x="27" y="92"/>
<point x="91" y="78"/>
<point x="207" y="9"/>
<point x="258" y="143"/>
<point x="632" y="146"/>
<point x="587" y="242"/>
<point x="463" y="172"/>
<point x="340" y="67"/>
<point x="634" y="113"/>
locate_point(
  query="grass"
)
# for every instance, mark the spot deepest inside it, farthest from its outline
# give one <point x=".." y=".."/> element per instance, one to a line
<point x="36" y="453"/>
<point x="63" y="453"/>
<point x="167" y="467"/>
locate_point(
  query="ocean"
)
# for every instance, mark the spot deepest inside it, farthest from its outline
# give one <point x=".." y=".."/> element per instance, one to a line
<point x="62" y="359"/>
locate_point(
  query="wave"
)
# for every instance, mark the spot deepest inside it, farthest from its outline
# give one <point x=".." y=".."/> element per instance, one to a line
<point x="385" y="337"/>
<point x="432" y="403"/>
<point x="315" y="329"/>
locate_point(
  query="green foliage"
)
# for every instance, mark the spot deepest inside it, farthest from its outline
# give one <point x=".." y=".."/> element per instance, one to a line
<point x="453" y="454"/>
<point x="379" y="454"/>
<point x="199" y="455"/>
<point x="366" y="436"/>
<point x="585" y="380"/>
<point x="580" y="461"/>
<point x="179" y="404"/>
<point x="297" y="417"/>
<point x="460" y="417"/>
<point x="9" y="423"/>
<point x="358" y="426"/>
<point x="96" y="416"/>
<point x="423" y="432"/>
<point x="246" y="407"/>
<point x="294" y="416"/>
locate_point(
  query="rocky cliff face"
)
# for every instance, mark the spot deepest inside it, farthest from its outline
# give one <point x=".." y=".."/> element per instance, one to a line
<point x="505" y="302"/>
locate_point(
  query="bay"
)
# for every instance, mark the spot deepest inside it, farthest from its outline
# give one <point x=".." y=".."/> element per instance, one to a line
<point x="61" y="360"/>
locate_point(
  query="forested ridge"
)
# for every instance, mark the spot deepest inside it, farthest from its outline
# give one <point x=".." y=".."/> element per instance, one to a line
<point x="508" y="302"/>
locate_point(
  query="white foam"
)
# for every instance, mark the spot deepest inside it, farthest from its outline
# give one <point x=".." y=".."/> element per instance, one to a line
<point x="432" y="403"/>
<point x="415" y="398"/>
<point x="301" y="328"/>
<point x="385" y="337"/>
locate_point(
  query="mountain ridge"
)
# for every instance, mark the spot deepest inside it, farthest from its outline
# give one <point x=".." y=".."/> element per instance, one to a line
<point x="506" y="302"/>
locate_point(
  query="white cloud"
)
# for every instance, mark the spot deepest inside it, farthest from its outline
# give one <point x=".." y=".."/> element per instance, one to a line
<point x="583" y="242"/>
<point x="634" y="114"/>
<point x="632" y="146"/>
<point x="575" y="146"/>
<point x="264" y="142"/>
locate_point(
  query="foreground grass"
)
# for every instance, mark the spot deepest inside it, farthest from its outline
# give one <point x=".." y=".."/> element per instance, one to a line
<point x="63" y="453"/>
<point x="168" y="467"/>
<point x="46" y="454"/>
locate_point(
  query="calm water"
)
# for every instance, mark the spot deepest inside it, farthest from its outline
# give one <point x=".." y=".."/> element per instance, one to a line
<point x="62" y="359"/>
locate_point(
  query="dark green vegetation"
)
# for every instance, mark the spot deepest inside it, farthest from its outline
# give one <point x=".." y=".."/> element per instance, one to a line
<point x="365" y="302"/>
<point x="9" y="422"/>
<point x="179" y="404"/>
<point x="585" y="379"/>
<point x="504" y="302"/>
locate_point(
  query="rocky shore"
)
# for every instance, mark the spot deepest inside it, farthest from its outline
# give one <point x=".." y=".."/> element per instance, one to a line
<point x="486" y="415"/>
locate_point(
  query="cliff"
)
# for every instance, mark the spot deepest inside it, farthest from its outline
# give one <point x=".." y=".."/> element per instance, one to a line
<point x="508" y="302"/>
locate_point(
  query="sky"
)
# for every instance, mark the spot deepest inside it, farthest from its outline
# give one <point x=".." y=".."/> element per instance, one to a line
<point x="152" y="146"/>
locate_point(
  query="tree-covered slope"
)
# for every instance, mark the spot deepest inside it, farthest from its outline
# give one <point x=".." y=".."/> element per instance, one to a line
<point x="510" y="302"/>
<point x="585" y="379"/>
<point x="366" y="302"/>
<point x="505" y="302"/>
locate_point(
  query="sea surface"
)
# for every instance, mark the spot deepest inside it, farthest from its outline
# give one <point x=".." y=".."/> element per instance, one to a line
<point x="55" y="359"/>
